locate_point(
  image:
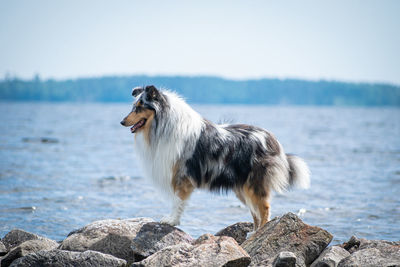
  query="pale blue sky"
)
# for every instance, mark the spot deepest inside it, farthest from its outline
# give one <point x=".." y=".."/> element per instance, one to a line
<point x="346" y="40"/>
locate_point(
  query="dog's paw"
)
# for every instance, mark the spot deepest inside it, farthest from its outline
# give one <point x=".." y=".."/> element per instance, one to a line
<point x="170" y="220"/>
<point x="250" y="234"/>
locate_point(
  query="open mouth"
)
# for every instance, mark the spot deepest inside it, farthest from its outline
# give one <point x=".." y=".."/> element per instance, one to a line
<point x="138" y="125"/>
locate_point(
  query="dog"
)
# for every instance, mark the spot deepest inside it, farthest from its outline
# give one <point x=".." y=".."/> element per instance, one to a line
<point x="180" y="151"/>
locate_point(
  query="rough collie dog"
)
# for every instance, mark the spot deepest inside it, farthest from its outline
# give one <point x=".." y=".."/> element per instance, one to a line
<point x="181" y="151"/>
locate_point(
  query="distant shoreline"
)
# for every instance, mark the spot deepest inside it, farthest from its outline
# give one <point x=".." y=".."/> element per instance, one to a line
<point x="205" y="90"/>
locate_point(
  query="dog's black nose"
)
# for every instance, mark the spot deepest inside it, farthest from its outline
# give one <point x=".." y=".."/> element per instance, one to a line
<point x="122" y="123"/>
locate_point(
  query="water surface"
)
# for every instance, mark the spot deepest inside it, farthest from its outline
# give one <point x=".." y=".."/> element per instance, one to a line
<point x="65" y="165"/>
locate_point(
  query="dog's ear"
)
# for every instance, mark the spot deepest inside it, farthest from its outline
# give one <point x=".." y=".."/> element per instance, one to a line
<point x="137" y="91"/>
<point x="152" y="92"/>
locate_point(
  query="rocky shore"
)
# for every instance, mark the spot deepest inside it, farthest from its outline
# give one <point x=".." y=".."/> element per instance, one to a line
<point x="284" y="241"/>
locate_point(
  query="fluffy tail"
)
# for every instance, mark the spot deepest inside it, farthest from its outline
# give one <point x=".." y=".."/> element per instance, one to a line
<point x="299" y="172"/>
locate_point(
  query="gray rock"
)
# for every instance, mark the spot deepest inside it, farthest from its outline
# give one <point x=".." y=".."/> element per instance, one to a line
<point x="26" y="248"/>
<point x="112" y="237"/>
<point x="237" y="231"/>
<point x="330" y="257"/>
<point x="154" y="236"/>
<point x="286" y="233"/>
<point x="59" y="258"/>
<point x="382" y="256"/>
<point x="207" y="250"/>
<point x="3" y="249"/>
<point x="285" y="259"/>
<point x="16" y="237"/>
<point x="355" y="244"/>
<point x="130" y="239"/>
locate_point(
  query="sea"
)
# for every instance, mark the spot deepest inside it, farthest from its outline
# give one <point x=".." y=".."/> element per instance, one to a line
<point x="65" y="165"/>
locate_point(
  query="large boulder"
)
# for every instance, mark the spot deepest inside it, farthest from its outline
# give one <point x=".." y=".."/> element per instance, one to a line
<point x="60" y="258"/>
<point x="286" y="233"/>
<point x="26" y="248"/>
<point x="207" y="250"/>
<point x="237" y="231"/>
<point x="330" y="257"/>
<point x="16" y="237"/>
<point x="130" y="239"/>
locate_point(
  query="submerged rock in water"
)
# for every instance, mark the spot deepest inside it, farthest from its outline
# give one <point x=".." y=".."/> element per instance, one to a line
<point x="330" y="257"/>
<point x="45" y="140"/>
<point x="207" y="250"/>
<point x="237" y="231"/>
<point x="286" y="233"/>
<point x="68" y="258"/>
<point x="26" y="248"/>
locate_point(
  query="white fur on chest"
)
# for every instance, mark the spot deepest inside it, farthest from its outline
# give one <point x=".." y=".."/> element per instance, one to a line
<point x="182" y="130"/>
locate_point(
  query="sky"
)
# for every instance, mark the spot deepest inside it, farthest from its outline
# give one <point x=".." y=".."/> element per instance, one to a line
<point x="347" y="40"/>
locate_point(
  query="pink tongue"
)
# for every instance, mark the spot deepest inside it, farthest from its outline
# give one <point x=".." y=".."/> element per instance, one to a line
<point x="136" y="126"/>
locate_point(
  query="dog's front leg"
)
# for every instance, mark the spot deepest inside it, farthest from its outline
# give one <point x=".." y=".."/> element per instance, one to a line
<point x="177" y="210"/>
<point x="183" y="188"/>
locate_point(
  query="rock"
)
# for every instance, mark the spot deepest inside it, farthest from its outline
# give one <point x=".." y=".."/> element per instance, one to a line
<point x="16" y="237"/>
<point x="285" y="259"/>
<point x="3" y="249"/>
<point x="207" y="250"/>
<point x="351" y="245"/>
<point x="383" y="256"/>
<point x="59" y="258"/>
<point x="154" y="236"/>
<point x="371" y="253"/>
<point x="330" y="257"/>
<point x="355" y="244"/>
<point x="27" y="247"/>
<point x="48" y="140"/>
<point x="130" y="239"/>
<point x="237" y="231"/>
<point x="286" y="233"/>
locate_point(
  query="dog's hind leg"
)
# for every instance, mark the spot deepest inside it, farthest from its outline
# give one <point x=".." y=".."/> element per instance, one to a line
<point x="182" y="191"/>
<point x="258" y="204"/>
<point x="244" y="196"/>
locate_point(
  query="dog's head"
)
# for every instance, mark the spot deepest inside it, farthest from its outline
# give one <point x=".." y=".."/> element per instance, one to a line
<point x="145" y="106"/>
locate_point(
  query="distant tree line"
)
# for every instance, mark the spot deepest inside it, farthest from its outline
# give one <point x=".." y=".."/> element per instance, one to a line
<point x="204" y="89"/>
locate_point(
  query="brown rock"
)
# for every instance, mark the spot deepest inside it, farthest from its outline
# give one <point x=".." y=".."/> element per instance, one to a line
<point x="207" y="250"/>
<point x="27" y="247"/>
<point x="237" y="231"/>
<point x="61" y="258"/>
<point x="286" y="233"/>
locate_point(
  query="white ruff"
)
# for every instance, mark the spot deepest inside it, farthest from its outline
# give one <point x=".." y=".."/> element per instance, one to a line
<point x="182" y="130"/>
